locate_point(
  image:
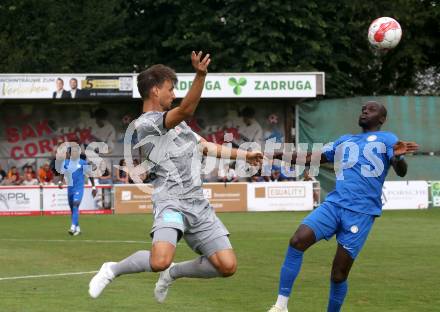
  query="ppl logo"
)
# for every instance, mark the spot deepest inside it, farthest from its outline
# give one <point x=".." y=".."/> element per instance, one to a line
<point x="16" y="197"/>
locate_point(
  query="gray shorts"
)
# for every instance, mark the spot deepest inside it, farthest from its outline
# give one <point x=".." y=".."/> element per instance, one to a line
<point x="196" y="221"/>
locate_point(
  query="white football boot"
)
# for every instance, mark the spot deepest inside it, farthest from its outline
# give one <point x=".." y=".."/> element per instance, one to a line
<point x="104" y="277"/>
<point x="162" y="285"/>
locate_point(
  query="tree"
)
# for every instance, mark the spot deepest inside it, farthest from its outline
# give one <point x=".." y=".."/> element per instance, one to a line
<point x="241" y="35"/>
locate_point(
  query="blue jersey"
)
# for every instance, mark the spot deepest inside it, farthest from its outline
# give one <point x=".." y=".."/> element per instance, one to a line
<point x="361" y="165"/>
<point x="74" y="171"/>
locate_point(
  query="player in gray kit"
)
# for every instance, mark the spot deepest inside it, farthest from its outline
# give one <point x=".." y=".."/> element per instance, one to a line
<point x="173" y="153"/>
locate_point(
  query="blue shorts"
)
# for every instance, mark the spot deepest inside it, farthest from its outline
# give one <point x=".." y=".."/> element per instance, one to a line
<point x="351" y="228"/>
<point x="74" y="197"/>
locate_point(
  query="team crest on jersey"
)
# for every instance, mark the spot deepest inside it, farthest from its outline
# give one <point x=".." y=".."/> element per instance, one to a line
<point x="372" y="138"/>
<point x="354" y="229"/>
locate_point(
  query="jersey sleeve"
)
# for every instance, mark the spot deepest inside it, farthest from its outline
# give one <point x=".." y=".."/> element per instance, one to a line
<point x="197" y="136"/>
<point x="390" y="140"/>
<point x="151" y="123"/>
<point x="330" y="148"/>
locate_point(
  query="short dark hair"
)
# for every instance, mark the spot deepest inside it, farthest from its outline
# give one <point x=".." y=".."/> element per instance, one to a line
<point x="156" y="75"/>
<point x="248" y="112"/>
<point x="100" y="113"/>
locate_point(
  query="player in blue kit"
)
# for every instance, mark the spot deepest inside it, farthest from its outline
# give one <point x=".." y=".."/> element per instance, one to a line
<point x="361" y="165"/>
<point x="75" y="168"/>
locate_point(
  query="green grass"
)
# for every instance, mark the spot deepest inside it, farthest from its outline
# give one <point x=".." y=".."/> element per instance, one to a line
<point x="398" y="269"/>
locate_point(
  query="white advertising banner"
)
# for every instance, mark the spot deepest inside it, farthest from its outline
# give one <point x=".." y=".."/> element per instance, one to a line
<point x="248" y="85"/>
<point x="65" y="86"/>
<point x="55" y="199"/>
<point x="280" y="196"/>
<point x="19" y="200"/>
<point x="32" y="86"/>
<point x="405" y="195"/>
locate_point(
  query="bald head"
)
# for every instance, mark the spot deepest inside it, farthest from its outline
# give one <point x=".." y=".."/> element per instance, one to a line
<point x="373" y="116"/>
<point x="380" y="106"/>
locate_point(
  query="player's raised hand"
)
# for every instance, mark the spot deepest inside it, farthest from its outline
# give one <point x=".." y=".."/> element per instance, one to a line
<point x="402" y="147"/>
<point x="254" y="158"/>
<point x="200" y="65"/>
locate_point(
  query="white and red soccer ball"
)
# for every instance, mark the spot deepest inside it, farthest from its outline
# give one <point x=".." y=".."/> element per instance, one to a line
<point x="384" y="33"/>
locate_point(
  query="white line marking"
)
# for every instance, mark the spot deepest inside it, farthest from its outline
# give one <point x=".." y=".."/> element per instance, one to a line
<point x="44" y="275"/>
<point x="74" y="240"/>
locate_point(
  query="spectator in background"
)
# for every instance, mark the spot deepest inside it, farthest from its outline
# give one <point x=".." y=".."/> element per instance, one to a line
<point x="227" y="173"/>
<point x="256" y="178"/>
<point x="135" y="164"/>
<point x="60" y="93"/>
<point x="308" y="177"/>
<point x="250" y="130"/>
<point x="105" y="178"/>
<point x="13" y="177"/>
<point x="29" y="179"/>
<point x="275" y="175"/>
<point x="103" y="130"/>
<point x="145" y="177"/>
<point x="45" y="174"/>
<point x="121" y="173"/>
<point x="3" y="174"/>
<point x="29" y="169"/>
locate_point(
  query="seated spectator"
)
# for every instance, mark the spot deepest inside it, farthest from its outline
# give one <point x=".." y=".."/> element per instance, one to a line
<point x="278" y="174"/>
<point x="227" y="173"/>
<point x="288" y="172"/>
<point x="121" y="173"/>
<point x="106" y="177"/>
<point x="275" y="175"/>
<point x="308" y="177"/>
<point x="3" y="174"/>
<point x="256" y="178"/>
<point x="45" y="174"/>
<point x="135" y="164"/>
<point x="29" y="169"/>
<point x="29" y="179"/>
<point x="13" y="177"/>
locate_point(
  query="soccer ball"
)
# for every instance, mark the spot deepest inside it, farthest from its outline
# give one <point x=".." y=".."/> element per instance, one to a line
<point x="384" y="33"/>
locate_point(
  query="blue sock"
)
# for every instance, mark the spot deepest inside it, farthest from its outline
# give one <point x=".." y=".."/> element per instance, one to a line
<point x="75" y="215"/>
<point x="337" y="296"/>
<point x="289" y="270"/>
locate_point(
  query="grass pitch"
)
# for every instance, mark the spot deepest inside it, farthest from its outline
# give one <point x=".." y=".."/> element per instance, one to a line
<point x="398" y="269"/>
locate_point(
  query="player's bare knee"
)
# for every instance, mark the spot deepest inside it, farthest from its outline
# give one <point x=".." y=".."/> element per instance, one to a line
<point x="338" y="276"/>
<point x="297" y="242"/>
<point x="159" y="264"/>
<point x="228" y="269"/>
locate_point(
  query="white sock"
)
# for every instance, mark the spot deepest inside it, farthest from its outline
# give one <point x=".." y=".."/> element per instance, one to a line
<point x="282" y="302"/>
<point x="73" y="228"/>
<point x="78" y="229"/>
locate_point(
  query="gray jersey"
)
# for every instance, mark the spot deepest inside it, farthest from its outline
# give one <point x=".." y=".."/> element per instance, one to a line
<point x="173" y="156"/>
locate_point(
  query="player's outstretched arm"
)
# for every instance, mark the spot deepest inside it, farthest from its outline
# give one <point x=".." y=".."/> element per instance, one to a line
<point x="189" y="103"/>
<point x="401" y="148"/>
<point x="303" y="158"/>
<point x="221" y="151"/>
